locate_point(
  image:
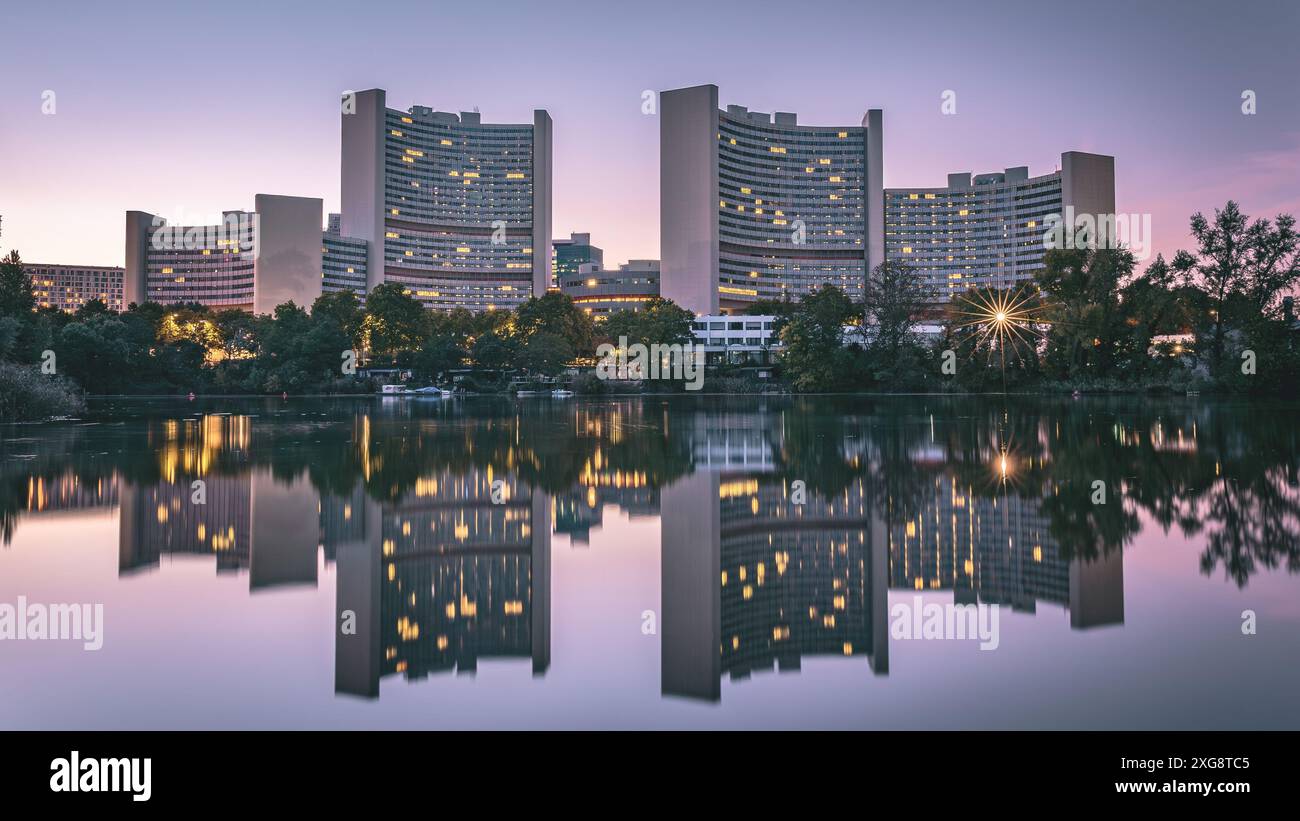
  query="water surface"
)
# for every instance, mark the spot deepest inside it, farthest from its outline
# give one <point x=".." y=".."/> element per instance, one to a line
<point x="689" y="562"/>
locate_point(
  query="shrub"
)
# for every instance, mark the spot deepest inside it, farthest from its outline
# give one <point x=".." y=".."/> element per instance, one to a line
<point x="26" y="394"/>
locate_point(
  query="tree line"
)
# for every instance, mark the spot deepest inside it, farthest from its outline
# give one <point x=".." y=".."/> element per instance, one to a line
<point x="1216" y="317"/>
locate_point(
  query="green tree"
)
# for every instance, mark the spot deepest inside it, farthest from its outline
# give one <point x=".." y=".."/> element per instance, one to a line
<point x="816" y="358"/>
<point x="1240" y="269"/>
<point x="344" y="310"/>
<point x="660" y="321"/>
<point x="555" y="314"/>
<point x="894" y="299"/>
<point x="546" y="353"/>
<point x="91" y="307"/>
<point x="494" y="350"/>
<point x="1080" y="287"/>
<point x="395" y="321"/>
<point x="16" y="297"/>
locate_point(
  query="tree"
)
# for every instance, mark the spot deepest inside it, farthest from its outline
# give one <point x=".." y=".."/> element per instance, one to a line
<point x="1154" y="303"/>
<point x="660" y="321"/>
<point x="395" y="321"/>
<point x="894" y="297"/>
<point x="344" y="310"/>
<point x="91" y="307"/>
<point x="780" y="309"/>
<point x="815" y="356"/>
<point x="546" y="353"/>
<point x="440" y="353"/>
<point x="16" y="297"/>
<point x="1081" y="303"/>
<point x="1240" y="267"/>
<point x="555" y="314"/>
<point x="494" y="350"/>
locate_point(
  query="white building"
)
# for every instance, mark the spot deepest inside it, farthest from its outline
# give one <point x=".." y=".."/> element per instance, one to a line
<point x="988" y="231"/>
<point x="456" y="210"/>
<point x="756" y="206"/>
<point x="68" y="287"/>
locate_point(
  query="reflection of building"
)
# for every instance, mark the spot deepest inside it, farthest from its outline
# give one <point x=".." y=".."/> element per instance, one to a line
<point x="246" y="519"/>
<point x="752" y="581"/>
<point x="735" y="441"/>
<point x="68" y="491"/>
<point x="157" y="520"/>
<point x="575" y="513"/>
<point x="251" y="520"/>
<point x="440" y="579"/>
<point x="999" y="550"/>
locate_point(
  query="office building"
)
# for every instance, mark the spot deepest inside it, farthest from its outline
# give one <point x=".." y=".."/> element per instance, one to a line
<point x="250" y="260"/>
<point x="456" y="210"/>
<point x="68" y="287"/>
<point x="987" y="231"/>
<point x="343" y="266"/>
<point x="601" y="293"/>
<point x="757" y="206"/>
<point x="569" y="255"/>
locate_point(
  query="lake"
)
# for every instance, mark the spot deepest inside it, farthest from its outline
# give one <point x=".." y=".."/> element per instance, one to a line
<point x="658" y="562"/>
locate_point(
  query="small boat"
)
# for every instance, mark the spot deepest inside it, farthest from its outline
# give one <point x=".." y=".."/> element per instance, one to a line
<point x="432" y="391"/>
<point x="561" y="393"/>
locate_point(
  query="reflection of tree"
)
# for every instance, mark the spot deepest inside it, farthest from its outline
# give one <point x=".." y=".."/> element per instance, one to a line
<point x="1227" y="471"/>
<point x="1259" y="526"/>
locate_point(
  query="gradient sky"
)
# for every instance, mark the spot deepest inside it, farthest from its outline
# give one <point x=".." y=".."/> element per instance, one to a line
<point x="185" y="110"/>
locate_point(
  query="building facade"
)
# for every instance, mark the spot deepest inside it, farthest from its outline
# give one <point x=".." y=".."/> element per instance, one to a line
<point x="343" y="267"/>
<point x="601" y="293"/>
<point x="756" y="206"/>
<point x="987" y="231"/>
<point x="251" y="260"/>
<point x="569" y="255"/>
<point x="68" y="287"/>
<point x="456" y="210"/>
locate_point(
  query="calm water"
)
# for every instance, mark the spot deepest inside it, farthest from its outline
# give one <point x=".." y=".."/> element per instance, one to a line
<point x="691" y="562"/>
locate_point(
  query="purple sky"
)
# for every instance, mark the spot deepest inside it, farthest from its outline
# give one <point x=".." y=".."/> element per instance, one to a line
<point x="182" y="110"/>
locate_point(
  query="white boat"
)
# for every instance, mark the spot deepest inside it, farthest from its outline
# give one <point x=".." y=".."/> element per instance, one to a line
<point x="432" y="391"/>
<point x="561" y="393"/>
